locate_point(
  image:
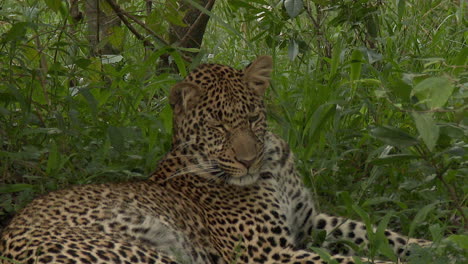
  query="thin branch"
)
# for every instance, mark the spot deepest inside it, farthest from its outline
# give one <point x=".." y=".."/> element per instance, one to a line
<point x="196" y="23"/>
<point x="119" y="13"/>
<point x="122" y="14"/>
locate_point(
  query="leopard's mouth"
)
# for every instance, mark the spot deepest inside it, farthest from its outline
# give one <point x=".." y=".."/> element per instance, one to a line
<point x="239" y="174"/>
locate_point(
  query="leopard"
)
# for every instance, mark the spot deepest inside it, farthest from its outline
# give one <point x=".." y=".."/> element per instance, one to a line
<point x="227" y="191"/>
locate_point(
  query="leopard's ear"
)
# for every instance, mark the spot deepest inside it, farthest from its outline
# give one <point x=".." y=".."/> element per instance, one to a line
<point x="184" y="96"/>
<point x="257" y="74"/>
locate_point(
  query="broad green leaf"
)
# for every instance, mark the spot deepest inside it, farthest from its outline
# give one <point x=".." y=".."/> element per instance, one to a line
<point x="452" y="130"/>
<point x="18" y="187"/>
<point x="460" y="240"/>
<point x="401" y="89"/>
<point x="434" y="91"/>
<point x="293" y="49"/>
<point x="427" y="128"/>
<point x="394" y="136"/>
<point x="293" y="7"/>
<point x="356" y="65"/>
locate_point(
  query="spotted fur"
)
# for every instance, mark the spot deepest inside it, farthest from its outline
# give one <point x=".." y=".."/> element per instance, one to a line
<point x="227" y="192"/>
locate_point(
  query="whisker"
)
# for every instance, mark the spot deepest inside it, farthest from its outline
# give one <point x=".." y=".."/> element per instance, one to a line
<point x="205" y="167"/>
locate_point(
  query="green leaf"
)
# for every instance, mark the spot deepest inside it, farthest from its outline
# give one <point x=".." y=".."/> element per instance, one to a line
<point x="380" y="200"/>
<point x="427" y="129"/>
<point x="460" y="240"/>
<point x="382" y="241"/>
<point x="394" y="136"/>
<point x="293" y="49"/>
<point x="16" y="32"/>
<point x="434" y="91"/>
<point x="437" y="232"/>
<point x="364" y="216"/>
<point x="389" y="159"/>
<point x="192" y="50"/>
<point x="179" y="63"/>
<point x="18" y="187"/>
<point x="452" y="130"/>
<point x="356" y="66"/>
<point x="53" y="163"/>
<point x="117" y="36"/>
<point x="335" y="59"/>
<point x="82" y="63"/>
<point x="293" y="7"/>
<point x="319" y="118"/>
<point x="401" y="89"/>
<point x="324" y="255"/>
<point x="357" y="260"/>
<point x="174" y="15"/>
<point x="421" y="216"/>
<point x="54" y="5"/>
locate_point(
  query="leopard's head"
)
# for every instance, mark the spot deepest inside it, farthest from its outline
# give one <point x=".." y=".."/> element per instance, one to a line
<point x="219" y="120"/>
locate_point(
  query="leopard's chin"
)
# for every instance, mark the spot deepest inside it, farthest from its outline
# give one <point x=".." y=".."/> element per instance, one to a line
<point x="245" y="180"/>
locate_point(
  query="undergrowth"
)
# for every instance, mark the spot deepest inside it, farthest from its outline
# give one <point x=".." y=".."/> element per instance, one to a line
<point x="371" y="96"/>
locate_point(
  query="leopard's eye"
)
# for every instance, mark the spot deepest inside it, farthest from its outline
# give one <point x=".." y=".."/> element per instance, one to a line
<point x="217" y="125"/>
<point x="254" y="118"/>
<point x="220" y="126"/>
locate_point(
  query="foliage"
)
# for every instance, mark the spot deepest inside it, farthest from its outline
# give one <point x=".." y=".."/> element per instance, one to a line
<point x="371" y="95"/>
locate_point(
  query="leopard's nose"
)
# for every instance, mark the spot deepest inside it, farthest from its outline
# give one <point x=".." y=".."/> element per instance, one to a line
<point x="246" y="162"/>
<point x="244" y="147"/>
